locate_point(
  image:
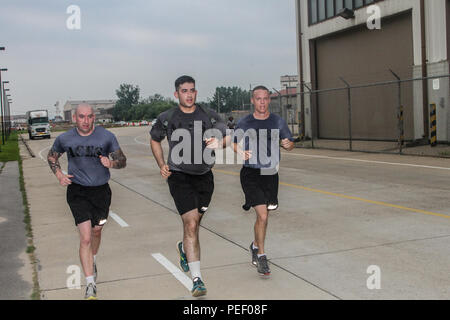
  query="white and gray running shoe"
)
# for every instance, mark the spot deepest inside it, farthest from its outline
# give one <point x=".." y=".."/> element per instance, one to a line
<point x="91" y="292"/>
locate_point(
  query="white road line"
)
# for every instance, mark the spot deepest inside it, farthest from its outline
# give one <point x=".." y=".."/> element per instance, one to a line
<point x="177" y="273"/>
<point x="118" y="219"/>
<point x="137" y="141"/>
<point x="367" y="161"/>
<point x="40" y="155"/>
<point x="346" y="159"/>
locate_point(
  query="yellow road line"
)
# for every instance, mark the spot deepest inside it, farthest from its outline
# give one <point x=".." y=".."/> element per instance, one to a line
<point x="380" y="203"/>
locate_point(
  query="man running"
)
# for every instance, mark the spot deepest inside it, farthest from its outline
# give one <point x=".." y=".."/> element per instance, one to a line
<point x="188" y="173"/>
<point x="91" y="152"/>
<point x="262" y="132"/>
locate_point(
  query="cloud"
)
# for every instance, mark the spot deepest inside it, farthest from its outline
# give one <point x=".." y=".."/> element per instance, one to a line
<point x="148" y="43"/>
<point x="145" y="36"/>
<point x="38" y="20"/>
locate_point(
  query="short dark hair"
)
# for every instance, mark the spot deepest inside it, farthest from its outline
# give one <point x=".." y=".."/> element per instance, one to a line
<point x="259" y="88"/>
<point x="183" y="79"/>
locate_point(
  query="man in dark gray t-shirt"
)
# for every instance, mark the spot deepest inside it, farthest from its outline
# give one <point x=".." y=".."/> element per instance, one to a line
<point x="88" y="149"/>
<point x="188" y="172"/>
<point x="194" y="126"/>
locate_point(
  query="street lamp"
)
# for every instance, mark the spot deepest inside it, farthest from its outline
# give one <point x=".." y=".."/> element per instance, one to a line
<point x="1" y="104"/>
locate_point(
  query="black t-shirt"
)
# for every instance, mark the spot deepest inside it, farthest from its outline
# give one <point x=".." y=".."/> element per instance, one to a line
<point x="186" y="134"/>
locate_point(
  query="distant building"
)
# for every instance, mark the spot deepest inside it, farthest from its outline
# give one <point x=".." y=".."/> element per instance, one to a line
<point x="284" y="102"/>
<point x="102" y="109"/>
<point x="18" y="119"/>
<point x="289" y="81"/>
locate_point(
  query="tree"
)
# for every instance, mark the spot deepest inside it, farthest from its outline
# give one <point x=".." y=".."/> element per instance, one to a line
<point x="227" y="99"/>
<point x="128" y="97"/>
<point x="129" y="107"/>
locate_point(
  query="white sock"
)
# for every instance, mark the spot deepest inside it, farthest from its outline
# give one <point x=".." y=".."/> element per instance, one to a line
<point x="260" y="255"/>
<point x="253" y="246"/>
<point x="195" y="269"/>
<point x="89" y="280"/>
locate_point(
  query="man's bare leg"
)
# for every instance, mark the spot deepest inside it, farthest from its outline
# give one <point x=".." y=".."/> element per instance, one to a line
<point x="260" y="228"/>
<point x="86" y="256"/>
<point x="96" y="239"/>
<point x="191" y="243"/>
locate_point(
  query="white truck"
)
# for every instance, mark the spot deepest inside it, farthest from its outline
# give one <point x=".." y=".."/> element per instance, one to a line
<point x="38" y="125"/>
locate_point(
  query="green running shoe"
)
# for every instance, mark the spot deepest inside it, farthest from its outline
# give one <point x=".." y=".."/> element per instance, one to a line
<point x="183" y="260"/>
<point x="198" y="288"/>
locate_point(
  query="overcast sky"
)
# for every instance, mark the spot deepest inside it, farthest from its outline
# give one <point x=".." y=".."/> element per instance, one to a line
<point x="148" y="43"/>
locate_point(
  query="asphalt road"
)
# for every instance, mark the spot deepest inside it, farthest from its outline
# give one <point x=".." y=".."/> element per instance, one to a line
<point x="349" y="226"/>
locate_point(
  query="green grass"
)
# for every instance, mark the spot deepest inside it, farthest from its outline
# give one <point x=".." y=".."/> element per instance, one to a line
<point x="10" y="150"/>
<point x="444" y="154"/>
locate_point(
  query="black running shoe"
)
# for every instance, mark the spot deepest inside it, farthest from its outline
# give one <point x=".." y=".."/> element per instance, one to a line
<point x="254" y="253"/>
<point x="263" y="266"/>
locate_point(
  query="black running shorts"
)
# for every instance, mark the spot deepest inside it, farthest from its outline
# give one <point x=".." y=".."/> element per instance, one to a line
<point x="259" y="189"/>
<point x="89" y="203"/>
<point x="191" y="191"/>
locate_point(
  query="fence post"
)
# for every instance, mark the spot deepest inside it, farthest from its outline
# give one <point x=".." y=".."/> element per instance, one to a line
<point x="310" y="114"/>
<point x="349" y="96"/>
<point x="433" y="125"/>
<point x="401" y="129"/>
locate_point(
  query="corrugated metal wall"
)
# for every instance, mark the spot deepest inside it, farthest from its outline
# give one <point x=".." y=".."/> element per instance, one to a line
<point x="364" y="56"/>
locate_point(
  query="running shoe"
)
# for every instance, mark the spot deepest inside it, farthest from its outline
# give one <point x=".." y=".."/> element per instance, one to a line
<point x="263" y="266"/>
<point x="246" y="207"/>
<point x="183" y="260"/>
<point x="254" y="253"/>
<point x="272" y="206"/>
<point x="198" y="288"/>
<point x="91" y="292"/>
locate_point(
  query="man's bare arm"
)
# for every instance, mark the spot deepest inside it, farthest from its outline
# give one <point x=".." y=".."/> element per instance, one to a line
<point x="157" y="152"/>
<point x="119" y="160"/>
<point x="244" y="154"/>
<point x="226" y="142"/>
<point x="53" y="161"/>
<point x="159" y="157"/>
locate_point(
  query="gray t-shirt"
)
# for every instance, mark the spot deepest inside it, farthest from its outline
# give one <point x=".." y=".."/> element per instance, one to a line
<point x="259" y="138"/>
<point x="190" y="159"/>
<point x="83" y="155"/>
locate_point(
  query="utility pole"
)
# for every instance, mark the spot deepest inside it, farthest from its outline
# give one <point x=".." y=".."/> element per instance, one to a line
<point x="218" y="101"/>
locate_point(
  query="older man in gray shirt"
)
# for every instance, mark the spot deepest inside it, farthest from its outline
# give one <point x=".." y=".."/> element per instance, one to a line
<point x="91" y="152"/>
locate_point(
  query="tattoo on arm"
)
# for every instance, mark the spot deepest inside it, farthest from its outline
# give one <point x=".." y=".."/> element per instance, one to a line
<point x="119" y="159"/>
<point x="53" y="162"/>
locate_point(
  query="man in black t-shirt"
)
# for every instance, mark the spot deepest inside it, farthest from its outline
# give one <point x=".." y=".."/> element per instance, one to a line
<point x="193" y="133"/>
